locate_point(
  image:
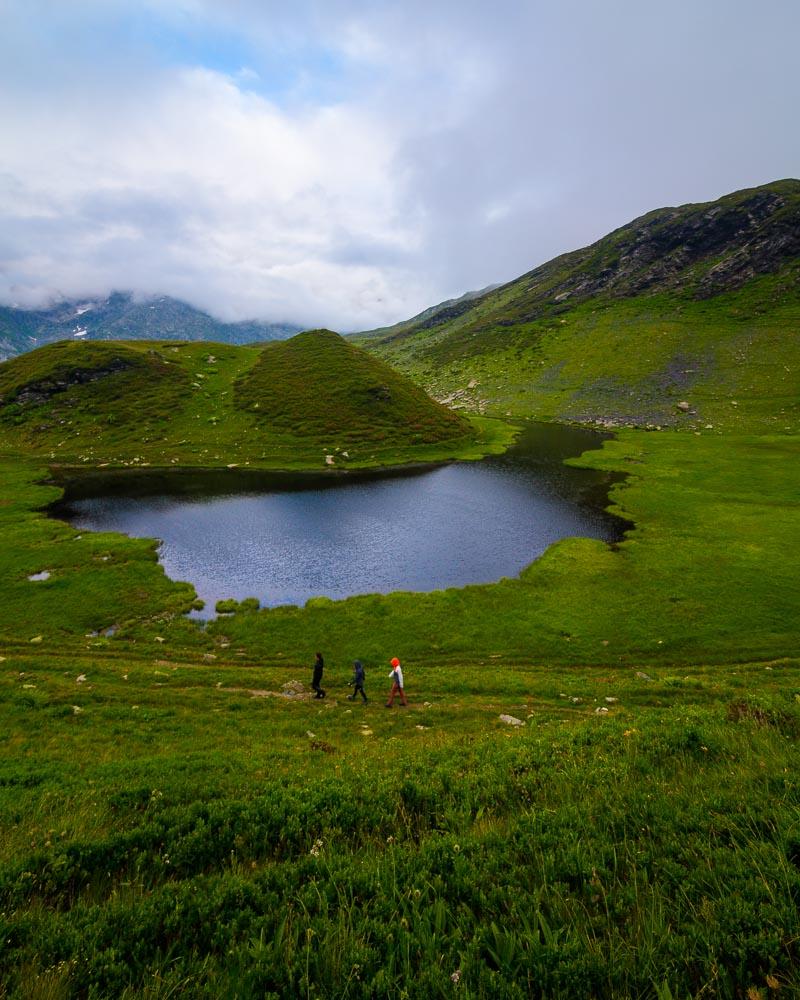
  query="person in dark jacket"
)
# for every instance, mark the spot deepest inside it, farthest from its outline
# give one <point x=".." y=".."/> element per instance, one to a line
<point x="316" y="677"/>
<point x="357" y="683"/>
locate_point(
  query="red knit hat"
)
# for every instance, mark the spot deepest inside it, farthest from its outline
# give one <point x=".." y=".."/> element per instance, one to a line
<point x="395" y="662"/>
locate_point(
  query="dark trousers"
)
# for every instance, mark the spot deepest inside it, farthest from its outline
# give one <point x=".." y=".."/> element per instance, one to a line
<point x="358" y="689"/>
<point x="316" y="686"/>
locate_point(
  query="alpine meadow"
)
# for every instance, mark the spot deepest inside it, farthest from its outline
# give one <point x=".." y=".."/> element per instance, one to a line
<point x="594" y="792"/>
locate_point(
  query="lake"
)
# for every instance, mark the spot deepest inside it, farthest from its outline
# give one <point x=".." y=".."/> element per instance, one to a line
<point x="284" y="538"/>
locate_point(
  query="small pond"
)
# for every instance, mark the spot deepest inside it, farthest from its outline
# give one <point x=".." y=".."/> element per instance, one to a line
<point x="285" y="537"/>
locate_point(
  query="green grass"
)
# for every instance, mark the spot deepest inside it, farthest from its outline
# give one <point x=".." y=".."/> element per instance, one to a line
<point x="178" y="837"/>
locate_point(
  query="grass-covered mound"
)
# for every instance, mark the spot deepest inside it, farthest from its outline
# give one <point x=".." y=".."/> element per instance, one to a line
<point x="317" y="384"/>
<point x="102" y="386"/>
<point x="197" y="404"/>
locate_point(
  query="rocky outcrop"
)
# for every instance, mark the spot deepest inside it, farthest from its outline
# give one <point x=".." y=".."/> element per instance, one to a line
<point x="39" y="392"/>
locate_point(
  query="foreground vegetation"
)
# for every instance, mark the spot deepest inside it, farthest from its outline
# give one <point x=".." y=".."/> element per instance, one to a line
<point x="169" y="830"/>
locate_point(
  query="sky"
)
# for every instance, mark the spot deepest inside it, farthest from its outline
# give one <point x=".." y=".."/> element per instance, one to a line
<point x="348" y="164"/>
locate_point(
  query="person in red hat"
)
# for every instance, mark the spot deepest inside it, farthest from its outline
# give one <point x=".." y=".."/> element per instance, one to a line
<point x="397" y="684"/>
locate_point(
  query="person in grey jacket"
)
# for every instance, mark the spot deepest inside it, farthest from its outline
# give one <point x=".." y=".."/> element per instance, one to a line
<point x="357" y="682"/>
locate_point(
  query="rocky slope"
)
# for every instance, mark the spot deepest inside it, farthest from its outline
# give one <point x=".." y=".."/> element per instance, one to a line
<point x="702" y="298"/>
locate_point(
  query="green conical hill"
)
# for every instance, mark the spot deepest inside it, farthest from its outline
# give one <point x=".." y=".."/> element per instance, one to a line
<point x="316" y="384"/>
<point x="160" y="403"/>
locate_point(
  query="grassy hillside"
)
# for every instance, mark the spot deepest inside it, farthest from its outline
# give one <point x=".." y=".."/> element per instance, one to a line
<point x="697" y="305"/>
<point x="156" y="403"/>
<point x="317" y="385"/>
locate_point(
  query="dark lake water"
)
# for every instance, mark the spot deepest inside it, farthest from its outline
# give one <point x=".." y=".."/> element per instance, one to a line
<point x="285" y="538"/>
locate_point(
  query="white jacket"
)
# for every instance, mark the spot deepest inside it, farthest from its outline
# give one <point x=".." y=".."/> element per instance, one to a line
<point x="396" y="673"/>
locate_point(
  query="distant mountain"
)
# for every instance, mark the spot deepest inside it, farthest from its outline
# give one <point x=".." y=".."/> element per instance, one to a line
<point x="698" y="302"/>
<point x="123" y="317"/>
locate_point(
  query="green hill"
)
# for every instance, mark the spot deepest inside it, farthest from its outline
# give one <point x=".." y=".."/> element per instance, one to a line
<point x="698" y="304"/>
<point x="317" y="385"/>
<point x="157" y="403"/>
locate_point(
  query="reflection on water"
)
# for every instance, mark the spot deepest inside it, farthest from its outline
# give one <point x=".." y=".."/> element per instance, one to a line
<point x="284" y="539"/>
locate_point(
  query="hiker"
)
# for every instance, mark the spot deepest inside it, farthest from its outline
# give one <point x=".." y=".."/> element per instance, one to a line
<point x="316" y="677"/>
<point x="357" y="683"/>
<point x="397" y="684"/>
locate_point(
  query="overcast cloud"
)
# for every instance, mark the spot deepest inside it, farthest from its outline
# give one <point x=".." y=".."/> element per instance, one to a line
<point x="348" y="164"/>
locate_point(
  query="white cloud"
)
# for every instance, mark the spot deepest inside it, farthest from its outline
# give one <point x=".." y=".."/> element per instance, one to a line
<point x="349" y="163"/>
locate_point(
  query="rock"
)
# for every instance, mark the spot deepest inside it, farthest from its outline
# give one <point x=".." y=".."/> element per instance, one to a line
<point x="80" y="678"/>
<point x="44" y="575"/>
<point x="511" y="720"/>
<point x="642" y="676"/>
<point x="601" y="711"/>
<point x="329" y="459"/>
<point x="36" y="640"/>
<point x="683" y="406"/>
<point x="473" y="384"/>
<point x="611" y="701"/>
<point x="576" y="701"/>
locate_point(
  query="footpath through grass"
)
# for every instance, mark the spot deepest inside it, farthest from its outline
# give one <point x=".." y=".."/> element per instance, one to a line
<point x="169" y="830"/>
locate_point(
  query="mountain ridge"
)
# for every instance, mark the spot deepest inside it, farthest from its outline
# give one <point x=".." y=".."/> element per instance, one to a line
<point x="692" y="298"/>
<point x="121" y="316"/>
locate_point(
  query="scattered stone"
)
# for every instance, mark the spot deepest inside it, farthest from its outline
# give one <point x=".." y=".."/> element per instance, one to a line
<point x="76" y="709"/>
<point x="683" y="406"/>
<point x="329" y="460"/>
<point x="323" y="746"/>
<point x="601" y="711"/>
<point x="611" y="701"/>
<point x="29" y="685"/>
<point x="511" y="720"/>
<point x="44" y="575"/>
<point x="642" y="676"/>
<point x="160" y="638"/>
<point x="366" y="732"/>
<point x="576" y="701"/>
<point x="80" y="679"/>
<point x="36" y="640"/>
